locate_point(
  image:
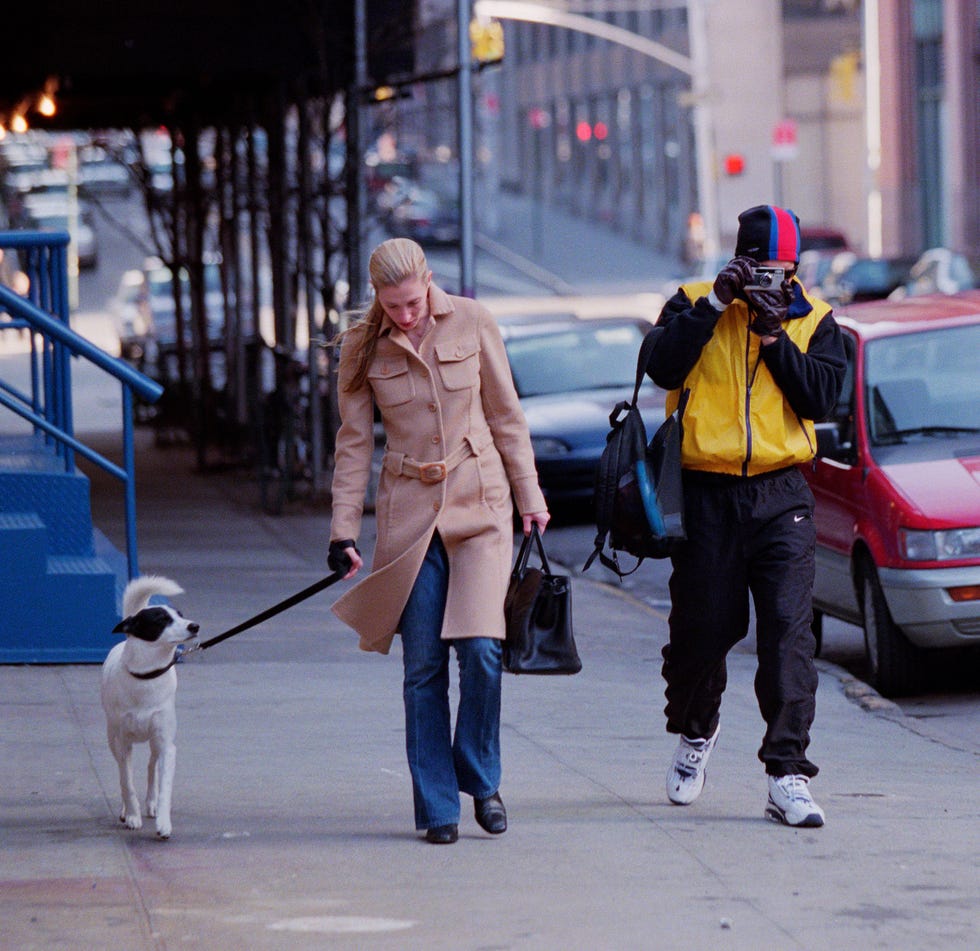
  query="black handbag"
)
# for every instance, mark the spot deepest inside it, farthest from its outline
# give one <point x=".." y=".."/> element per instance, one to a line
<point x="538" y="610"/>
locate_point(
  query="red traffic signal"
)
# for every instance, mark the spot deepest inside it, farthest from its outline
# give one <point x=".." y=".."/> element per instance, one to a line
<point x="734" y="163"/>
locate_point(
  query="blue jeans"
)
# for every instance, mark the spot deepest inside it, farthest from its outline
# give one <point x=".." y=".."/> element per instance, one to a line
<point x="443" y="765"/>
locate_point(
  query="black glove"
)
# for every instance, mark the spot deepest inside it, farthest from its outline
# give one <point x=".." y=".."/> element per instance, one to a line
<point x="337" y="557"/>
<point x="770" y="309"/>
<point x="732" y="278"/>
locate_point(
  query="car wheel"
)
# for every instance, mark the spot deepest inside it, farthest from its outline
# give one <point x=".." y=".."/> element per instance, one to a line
<point x="816" y="625"/>
<point x="894" y="665"/>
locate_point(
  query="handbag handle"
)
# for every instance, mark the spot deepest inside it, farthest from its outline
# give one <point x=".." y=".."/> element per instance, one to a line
<point x="520" y="566"/>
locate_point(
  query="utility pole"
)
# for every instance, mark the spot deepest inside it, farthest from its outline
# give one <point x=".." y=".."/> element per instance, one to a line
<point x="355" y="159"/>
<point x="466" y="189"/>
<point x="697" y="28"/>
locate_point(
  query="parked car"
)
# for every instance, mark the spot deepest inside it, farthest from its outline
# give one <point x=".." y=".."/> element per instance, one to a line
<point x="823" y="239"/>
<point x="23" y="190"/>
<point x="897" y="485"/>
<point x="130" y="309"/>
<point x="815" y="266"/>
<point x="704" y="269"/>
<point x="395" y="191"/>
<point x="106" y="178"/>
<point x="865" y="279"/>
<point x="569" y="373"/>
<point x="426" y="216"/>
<point x="54" y="215"/>
<point x="937" y="271"/>
<point x="163" y="307"/>
<point x="159" y="351"/>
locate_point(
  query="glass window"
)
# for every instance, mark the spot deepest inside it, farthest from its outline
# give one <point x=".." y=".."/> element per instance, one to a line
<point x="575" y="359"/>
<point x="922" y="385"/>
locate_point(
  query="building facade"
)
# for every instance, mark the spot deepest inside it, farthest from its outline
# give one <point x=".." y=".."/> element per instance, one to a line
<point x="861" y="115"/>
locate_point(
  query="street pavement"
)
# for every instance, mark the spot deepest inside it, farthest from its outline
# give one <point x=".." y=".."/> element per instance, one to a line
<point x="292" y="808"/>
<point x="550" y="251"/>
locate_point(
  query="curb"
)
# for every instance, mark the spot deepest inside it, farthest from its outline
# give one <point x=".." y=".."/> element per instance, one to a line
<point x="855" y="689"/>
<point x="864" y="695"/>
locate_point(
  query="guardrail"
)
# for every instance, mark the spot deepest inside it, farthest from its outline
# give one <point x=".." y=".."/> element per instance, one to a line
<point x="48" y="406"/>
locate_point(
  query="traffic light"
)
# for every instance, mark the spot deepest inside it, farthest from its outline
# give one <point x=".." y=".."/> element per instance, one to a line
<point x="734" y="163"/>
<point x="486" y="41"/>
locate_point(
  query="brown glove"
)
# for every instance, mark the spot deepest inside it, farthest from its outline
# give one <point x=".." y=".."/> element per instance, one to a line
<point x="732" y="278"/>
<point x="770" y="309"/>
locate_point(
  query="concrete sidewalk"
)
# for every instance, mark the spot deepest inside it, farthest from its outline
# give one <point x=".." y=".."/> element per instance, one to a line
<point x="292" y="808"/>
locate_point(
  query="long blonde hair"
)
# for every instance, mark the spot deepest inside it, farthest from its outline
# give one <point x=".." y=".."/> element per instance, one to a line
<point x="391" y="262"/>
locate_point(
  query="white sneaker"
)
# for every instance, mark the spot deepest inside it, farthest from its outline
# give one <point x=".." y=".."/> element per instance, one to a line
<point x="685" y="778"/>
<point x="790" y="802"/>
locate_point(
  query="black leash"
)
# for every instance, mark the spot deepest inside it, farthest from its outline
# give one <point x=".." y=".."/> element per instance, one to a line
<point x="268" y="612"/>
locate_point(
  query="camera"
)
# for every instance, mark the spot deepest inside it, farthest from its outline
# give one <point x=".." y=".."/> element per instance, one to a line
<point x="766" y="279"/>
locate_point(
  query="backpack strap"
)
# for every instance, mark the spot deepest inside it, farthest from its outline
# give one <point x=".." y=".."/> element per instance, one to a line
<point x="682" y="403"/>
<point x="643" y="358"/>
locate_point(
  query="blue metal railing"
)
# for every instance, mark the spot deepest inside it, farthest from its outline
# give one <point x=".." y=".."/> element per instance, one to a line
<point x="48" y="407"/>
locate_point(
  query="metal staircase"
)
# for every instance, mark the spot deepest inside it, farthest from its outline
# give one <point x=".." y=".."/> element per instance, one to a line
<point x="60" y="578"/>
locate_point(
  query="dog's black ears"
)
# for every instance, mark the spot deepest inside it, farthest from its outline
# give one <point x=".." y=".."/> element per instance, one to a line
<point x="125" y="626"/>
<point x="147" y="624"/>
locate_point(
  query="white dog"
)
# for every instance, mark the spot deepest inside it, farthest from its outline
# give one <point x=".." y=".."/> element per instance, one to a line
<point x="139" y="692"/>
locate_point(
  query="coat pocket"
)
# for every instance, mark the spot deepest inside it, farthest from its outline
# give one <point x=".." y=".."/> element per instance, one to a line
<point x="459" y="364"/>
<point x="390" y="381"/>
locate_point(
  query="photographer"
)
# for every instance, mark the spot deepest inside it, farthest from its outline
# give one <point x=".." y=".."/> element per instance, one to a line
<point x="762" y="360"/>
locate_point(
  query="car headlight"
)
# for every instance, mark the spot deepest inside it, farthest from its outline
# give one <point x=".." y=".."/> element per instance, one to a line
<point x="548" y="446"/>
<point x="940" y="546"/>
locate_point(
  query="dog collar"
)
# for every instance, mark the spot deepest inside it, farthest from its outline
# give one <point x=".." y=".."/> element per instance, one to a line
<point x="152" y="674"/>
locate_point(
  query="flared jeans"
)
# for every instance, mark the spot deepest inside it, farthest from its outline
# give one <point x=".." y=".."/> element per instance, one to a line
<point x="443" y="762"/>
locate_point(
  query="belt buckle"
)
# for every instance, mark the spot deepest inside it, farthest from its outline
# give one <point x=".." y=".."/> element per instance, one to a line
<point x="432" y="472"/>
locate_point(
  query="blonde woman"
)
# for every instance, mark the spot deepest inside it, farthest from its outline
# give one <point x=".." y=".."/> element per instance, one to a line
<point x="458" y="457"/>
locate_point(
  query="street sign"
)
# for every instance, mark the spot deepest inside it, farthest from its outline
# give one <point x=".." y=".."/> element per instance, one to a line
<point x="784" y="141"/>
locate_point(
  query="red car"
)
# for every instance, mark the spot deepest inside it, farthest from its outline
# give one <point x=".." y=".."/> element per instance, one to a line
<point x="897" y="485"/>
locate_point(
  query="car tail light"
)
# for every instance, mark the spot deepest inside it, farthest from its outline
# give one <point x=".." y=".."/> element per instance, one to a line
<point x="969" y="592"/>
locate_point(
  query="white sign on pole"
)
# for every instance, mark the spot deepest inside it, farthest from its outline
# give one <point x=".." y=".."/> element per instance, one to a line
<point x="785" y="145"/>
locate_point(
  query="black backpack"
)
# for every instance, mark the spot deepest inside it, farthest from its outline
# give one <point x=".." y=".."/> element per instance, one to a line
<point x="639" y="504"/>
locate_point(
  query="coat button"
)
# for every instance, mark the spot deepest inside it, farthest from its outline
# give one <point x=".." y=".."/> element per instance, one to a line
<point x="436" y="440"/>
<point x="384" y="369"/>
<point x="435" y="506"/>
<point x="432" y="407"/>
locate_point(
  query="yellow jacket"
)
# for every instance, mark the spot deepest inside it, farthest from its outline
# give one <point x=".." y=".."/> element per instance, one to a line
<point x="739" y="420"/>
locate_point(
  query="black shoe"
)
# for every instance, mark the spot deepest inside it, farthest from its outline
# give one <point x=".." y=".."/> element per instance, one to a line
<point x="491" y="814"/>
<point x="442" y="835"/>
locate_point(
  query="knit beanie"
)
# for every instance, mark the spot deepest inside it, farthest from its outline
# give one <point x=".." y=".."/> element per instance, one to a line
<point x="768" y="233"/>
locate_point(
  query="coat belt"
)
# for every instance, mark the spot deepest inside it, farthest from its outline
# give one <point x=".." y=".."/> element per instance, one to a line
<point x="429" y="473"/>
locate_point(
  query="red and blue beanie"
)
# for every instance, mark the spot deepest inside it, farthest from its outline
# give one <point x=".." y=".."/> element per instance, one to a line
<point x="768" y="233"/>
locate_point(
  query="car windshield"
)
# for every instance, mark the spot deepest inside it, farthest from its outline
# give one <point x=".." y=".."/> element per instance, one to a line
<point x="923" y="386"/>
<point x="577" y="358"/>
<point x="874" y="272"/>
<point x="52" y="222"/>
<point x="161" y="282"/>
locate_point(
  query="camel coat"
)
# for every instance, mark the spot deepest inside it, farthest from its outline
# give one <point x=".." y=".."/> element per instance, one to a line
<point x="453" y="400"/>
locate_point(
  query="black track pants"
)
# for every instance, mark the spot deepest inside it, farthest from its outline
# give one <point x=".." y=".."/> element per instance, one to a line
<point x="745" y="535"/>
